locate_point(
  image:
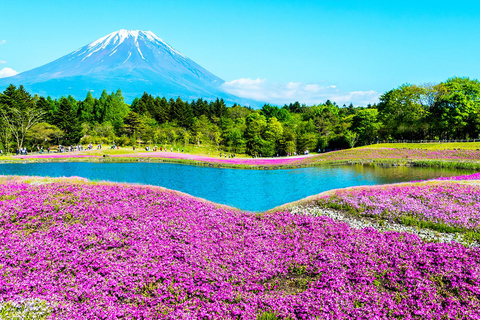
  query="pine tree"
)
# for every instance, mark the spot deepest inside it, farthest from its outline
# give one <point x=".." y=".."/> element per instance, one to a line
<point x="66" y="119"/>
<point x="183" y="113"/>
<point x="100" y="107"/>
<point x="146" y="106"/>
<point x="132" y="123"/>
<point x="115" y="110"/>
<point x="163" y="109"/>
<point x="87" y="109"/>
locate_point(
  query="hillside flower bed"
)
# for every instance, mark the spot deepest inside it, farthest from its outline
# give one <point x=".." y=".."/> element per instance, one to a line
<point x="234" y="161"/>
<point x="174" y="155"/>
<point x="474" y="176"/>
<point x="443" y="206"/>
<point x="56" y="156"/>
<point x="114" y="251"/>
<point x="394" y="153"/>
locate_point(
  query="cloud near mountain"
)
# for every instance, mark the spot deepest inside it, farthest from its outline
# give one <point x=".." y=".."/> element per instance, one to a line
<point x="308" y="93"/>
<point x="7" y="72"/>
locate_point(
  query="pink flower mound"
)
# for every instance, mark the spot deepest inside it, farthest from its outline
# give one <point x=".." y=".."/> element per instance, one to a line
<point x="173" y="155"/>
<point x="391" y="153"/>
<point x="475" y="176"/>
<point x="114" y="251"/>
<point x="246" y="161"/>
<point x="451" y="204"/>
<point x="57" y="156"/>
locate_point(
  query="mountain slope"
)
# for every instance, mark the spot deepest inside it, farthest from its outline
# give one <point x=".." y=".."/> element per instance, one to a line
<point x="132" y="60"/>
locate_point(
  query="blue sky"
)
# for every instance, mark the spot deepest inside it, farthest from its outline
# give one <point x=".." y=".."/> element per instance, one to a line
<point x="276" y="50"/>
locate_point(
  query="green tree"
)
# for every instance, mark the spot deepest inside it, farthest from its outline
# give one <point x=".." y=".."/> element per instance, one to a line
<point x="162" y="108"/>
<point x="403" y="114"/>
<point x="256" y="125"/>
<point x="132" y="123"/>
<point x="351" y="137"/>
<point x="366" y="125"/>
<point x="183" y="113"/>
<point x="115" y="110"/>
<point x="43" y="133"/>
<point x="457" y="109"/>
<point x="19" y="112"/>
<point x="273" y="133"/>
<point x="66" y="119"/>
<point x="234" y="139"/>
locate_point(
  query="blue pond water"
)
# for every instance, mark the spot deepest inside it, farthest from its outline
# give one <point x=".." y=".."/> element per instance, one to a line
<point x="252" y="190"/>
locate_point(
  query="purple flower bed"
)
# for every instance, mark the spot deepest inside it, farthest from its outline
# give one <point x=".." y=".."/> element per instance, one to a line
<point x="474" y="176"/>
<point x="451" y="204"/>
<point x="57" y="156"/>
<point x="235" y="161"/>
<point x="393" y="153"/>
<point x="173" y="155"/>
<point x="114" y="251"/>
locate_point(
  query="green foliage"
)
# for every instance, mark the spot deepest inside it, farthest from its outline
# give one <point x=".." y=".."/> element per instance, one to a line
<point x="268" y="316"/>
<point x="415" y="112"/>
<point x="66" y="119"/>
<point x="43" y="134"/>
<point x="351" y="137"/>
<point x="18" y="114"/>
<point x="365" y="123"/>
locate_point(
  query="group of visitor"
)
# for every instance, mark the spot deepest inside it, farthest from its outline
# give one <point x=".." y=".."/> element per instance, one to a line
<point x="226" y="155"/>
<point x="40" y="149"/>
<point x="22" y="151"/>
<point x="162" y="149"/>
<point x="90" y="147"/>
<point x="69" y="148"/>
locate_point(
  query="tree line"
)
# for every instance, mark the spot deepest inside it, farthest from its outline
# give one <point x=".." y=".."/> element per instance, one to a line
<point x="448" y="110"/>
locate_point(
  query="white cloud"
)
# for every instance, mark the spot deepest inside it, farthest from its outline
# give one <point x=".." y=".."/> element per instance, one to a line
<point x="7" y="72"/>
<point x="3" y="61"/>
<point x="3" y="41"/>
<point x="310" y="93"/>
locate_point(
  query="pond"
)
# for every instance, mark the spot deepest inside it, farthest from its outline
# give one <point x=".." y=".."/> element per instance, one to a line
<point x="252" y="190"/>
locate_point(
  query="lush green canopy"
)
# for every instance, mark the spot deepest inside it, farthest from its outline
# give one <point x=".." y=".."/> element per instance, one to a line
<point x="448" y="110"/>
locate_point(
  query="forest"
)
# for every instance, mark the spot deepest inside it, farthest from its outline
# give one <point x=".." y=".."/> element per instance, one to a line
<point x="448" y="110"/>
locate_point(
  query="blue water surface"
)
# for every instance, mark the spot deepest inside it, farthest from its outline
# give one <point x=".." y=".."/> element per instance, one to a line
<point x="252" y="190"/>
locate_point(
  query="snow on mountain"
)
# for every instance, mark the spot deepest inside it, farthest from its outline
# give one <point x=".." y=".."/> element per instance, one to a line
<point x="134" y="61"/>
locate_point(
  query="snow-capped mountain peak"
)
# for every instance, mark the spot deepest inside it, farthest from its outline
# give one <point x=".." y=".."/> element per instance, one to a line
<point x="133" y="60"/>
<point x="118" y="37"/>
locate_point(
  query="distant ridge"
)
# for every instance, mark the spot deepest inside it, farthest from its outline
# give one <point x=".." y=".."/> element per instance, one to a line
<point x="131" y="60"/>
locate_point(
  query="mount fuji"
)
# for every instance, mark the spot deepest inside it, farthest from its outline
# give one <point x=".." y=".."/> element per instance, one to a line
<point x="131" y="60"/>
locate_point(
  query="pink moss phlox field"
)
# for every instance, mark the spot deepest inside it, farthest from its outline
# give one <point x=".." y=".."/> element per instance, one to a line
<point x="452" y="204"/>
<point x="244" y="161"/>
<point x="57" y="156"/>
<point x="109" y="251"/>
<point x="474" y="176"/>
<point x="394" y="153"/>
<point x="184" y="156"/>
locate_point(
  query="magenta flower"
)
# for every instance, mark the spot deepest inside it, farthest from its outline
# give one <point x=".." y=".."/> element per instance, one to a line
<point x="117" y="251"/>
